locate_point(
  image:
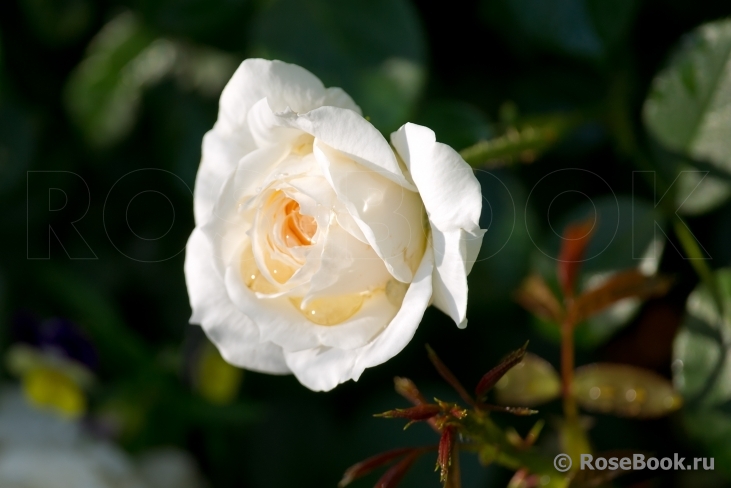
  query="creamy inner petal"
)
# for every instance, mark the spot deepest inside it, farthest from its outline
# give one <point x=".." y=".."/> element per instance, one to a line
<point x="326" y="253"/>
<point x="298" y="249"/>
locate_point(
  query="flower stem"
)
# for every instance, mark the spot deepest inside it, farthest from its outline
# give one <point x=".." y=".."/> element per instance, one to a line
<point x="698" y="260"/>
<point x="493" y="447"/>
<point x="567" y="370"/>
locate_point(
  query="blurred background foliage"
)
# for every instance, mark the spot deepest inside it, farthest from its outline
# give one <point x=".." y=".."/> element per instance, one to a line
<point x="569" y="98"/>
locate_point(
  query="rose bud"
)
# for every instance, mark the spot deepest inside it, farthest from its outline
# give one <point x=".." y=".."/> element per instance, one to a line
<point x="417" y="413"/>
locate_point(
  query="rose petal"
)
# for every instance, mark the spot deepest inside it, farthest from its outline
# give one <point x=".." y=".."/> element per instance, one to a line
<point x="352" y="135"/>
<point x="282" y="85"/>
<point x="280" y="322"/>
<point x="346" y="266"/>
<point x="267" y="129"/>
<point x="235" y="335"/>
<point x="321" y="368"/>
<point x="220" y="155"/>
<point x="403" y="326"/>
<point x="447" y="185"/>
<point x="450" y="276"/>
<point x="385" y="212"/>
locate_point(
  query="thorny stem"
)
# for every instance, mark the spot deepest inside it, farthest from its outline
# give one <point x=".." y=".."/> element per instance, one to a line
<point x="490" y="441"/>
<point x="567" y="369"/>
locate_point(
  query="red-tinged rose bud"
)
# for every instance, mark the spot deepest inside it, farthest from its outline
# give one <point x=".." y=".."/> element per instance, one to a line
<point x="366" y="466"/>
<point x="407" y="389"/>
<point x="444" y="457"/>
<point x="452" y="409"/>
<point x="446" y="443"/>
<point x="458" y="413"/>
<point x="494" y="375"/>
<point x="396" y="473"/>
<point x="415" y="414"/>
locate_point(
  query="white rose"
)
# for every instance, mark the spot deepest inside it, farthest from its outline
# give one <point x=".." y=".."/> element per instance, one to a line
<point x="318" y="245"/>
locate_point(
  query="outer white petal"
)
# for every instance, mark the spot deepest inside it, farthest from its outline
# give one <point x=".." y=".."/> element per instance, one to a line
<point x="447" y="185"/>
<point x="323" y="368"/>
<point x="453" y="201"/>
<point x="235" y="335"/>
<point x="220" y="154"/>
<point x="283" y="85"/>
<point x="450" y="277"/>
<point x="352" y="135"/>
<point x="266" y="127"/>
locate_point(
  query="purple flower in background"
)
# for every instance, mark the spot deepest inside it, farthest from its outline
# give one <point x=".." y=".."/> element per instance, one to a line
<point x="55" y="336"/>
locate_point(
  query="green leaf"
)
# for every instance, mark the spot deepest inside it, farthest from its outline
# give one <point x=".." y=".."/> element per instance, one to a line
<point x="102" y="94"/>
<point x="586" y="29"/>
<point x="688" y="110"/>
<point x="702" y="369"/>
<point x="374" y="50"/>
<point x="699" y="192"/>
<point x="625" y="391"/>
<point x="532" y="382"/>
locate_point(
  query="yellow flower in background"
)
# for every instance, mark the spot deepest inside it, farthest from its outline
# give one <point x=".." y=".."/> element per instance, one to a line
<point x="49" y="388"/>
<point x="50" y="381"/>
<point x="216" y="380"/>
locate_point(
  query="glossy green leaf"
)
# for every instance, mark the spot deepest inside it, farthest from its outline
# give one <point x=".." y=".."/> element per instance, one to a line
<point x="532" y="382"/>
<point x="586" y="29"/>
<point x="698" y="191"/>
<point x="625" y="391"/>
<point x="702" y="368"/>
<point x="688" y="106"/>
<point x="102" y="94"/>
<point x="688" y="110"/>
<point x="373" y="49"/>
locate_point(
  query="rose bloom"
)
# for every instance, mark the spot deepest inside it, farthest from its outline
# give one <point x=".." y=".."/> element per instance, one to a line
<point x="318" y="245"/>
